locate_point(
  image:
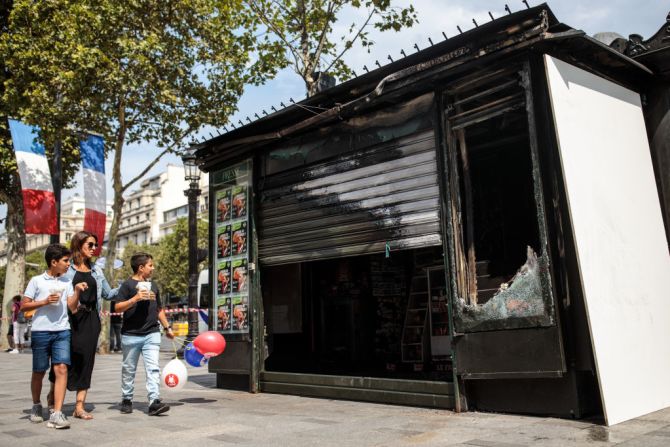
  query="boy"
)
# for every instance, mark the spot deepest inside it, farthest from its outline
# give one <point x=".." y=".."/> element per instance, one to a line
<point x="46" y="294"/>
<point x="140" y="303"/>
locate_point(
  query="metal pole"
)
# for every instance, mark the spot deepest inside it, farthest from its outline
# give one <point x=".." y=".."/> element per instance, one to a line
<point x="57" y="181"/>
<point x="192" y="193"/>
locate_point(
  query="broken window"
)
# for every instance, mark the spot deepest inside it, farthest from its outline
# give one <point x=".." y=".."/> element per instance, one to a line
<point x="499" y="265"/>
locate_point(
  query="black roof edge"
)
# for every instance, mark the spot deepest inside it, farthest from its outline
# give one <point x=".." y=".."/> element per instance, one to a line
<point x="356" y="86"/>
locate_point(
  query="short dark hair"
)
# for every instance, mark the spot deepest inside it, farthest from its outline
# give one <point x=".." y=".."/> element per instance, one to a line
<point x="55" y="252"/>
<point x="16" y="298"/>
<point x="138" y="260"/>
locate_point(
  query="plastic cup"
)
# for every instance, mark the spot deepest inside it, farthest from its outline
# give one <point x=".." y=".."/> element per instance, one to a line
<point x="56" y="290"/>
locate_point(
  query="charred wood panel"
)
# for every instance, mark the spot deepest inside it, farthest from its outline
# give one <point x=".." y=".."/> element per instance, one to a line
<point x="368" y="201"/>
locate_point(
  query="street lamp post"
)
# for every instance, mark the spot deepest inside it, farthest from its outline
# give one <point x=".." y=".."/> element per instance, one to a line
<point x="192" y="176"/>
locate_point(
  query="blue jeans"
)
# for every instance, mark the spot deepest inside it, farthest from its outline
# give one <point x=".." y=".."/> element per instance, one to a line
<point x="149" y="347"/>
<point x="50" y="344"/>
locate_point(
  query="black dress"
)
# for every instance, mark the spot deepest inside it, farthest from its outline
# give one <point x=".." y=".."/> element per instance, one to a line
<point x="85" y="327"/>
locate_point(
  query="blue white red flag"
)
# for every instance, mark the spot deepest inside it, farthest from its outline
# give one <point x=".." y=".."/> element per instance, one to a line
<point x="95" y="196"/>
<point x="39" y="202"/>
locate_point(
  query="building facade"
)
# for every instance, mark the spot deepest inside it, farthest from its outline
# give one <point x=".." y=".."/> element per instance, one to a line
<point x="151" y="211"/>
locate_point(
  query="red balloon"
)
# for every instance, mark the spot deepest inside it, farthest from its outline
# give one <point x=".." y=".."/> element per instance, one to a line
<point x="210" y="343"/>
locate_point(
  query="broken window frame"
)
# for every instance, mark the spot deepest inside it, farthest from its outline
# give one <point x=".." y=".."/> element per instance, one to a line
<point x="468" y="316"/>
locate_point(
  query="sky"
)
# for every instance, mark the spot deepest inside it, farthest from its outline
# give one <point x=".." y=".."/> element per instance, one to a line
<point x="625" y="17"/>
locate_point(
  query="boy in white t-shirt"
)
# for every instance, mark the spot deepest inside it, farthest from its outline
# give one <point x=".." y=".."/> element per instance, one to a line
<point x="50" y="296"/>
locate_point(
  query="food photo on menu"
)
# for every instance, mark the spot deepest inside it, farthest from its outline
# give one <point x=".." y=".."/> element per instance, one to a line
<point x="222" y="205"/>
<point x="239" y="238"/>
<point x="240" y="313"/>
<point x="240" y="275"/>
<point x="239" y="201"/>
<point x="223" y="278"/>
<point x="223" y="314"/>
<point x="223" y="241"/>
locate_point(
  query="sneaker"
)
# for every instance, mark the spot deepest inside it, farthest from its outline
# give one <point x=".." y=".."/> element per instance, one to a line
<point x="58" y="420"/>
<point x="126" y="406"/>
<point x="157" y="407"/>
<point x="36" y="413"/>
<point x="14" y="351"/>
<point x="8" y="350"/>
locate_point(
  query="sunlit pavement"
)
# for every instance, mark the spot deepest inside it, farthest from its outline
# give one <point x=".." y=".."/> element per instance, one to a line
<point x="203" y="415"/>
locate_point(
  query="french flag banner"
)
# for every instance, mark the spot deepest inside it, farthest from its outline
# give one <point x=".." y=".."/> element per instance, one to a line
<point x="39" y="202"/>
<point x="95" y="196"/>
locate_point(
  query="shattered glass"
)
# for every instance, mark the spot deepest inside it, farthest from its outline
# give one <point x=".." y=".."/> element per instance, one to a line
<point x="518" y="303"/>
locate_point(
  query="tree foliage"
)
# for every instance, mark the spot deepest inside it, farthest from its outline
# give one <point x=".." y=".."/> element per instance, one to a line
<point x="172" y="259"/>
<point x="134" y="71"/>
<point x="305" y="28"/>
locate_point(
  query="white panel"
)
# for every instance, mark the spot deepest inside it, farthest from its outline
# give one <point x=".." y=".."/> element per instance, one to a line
<point x="34" y="171"/>
<point x="618" y="229"/>
<point x="94" y="190"/>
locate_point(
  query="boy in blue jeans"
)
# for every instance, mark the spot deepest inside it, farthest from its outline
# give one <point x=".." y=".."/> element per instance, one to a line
<point x="143" y="314"/>
<point x="50" y="295"/>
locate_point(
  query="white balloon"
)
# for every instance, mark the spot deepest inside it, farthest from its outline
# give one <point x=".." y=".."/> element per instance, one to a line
<point x="175" y="375"/>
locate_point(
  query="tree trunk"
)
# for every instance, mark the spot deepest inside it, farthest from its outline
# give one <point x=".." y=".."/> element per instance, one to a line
<point x="110" y="254"/>
<point x="16" y="254"/>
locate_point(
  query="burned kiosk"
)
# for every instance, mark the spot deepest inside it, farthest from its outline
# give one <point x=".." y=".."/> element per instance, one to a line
<point x="474" y="226"/>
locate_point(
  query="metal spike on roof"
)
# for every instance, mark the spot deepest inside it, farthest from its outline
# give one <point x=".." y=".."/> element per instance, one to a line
<point x="241" y="123"/>
<point x="403" y="53"/>
<point x="365" y="67"/>
<point x="525" y="2"/>
<point x="274" y="108"/>
<point x="264" y="112"/>
<point x="445" y="35"/>
<point x="475" y="22"/>
<point x="431" y="41"/>
<point x="507" y="9"/>
<point x="282" y="104"/>
<point x="248" y="119"/>
<point x="233" y="124"/>
<point x="257" y="117"/>
<point x="417" y="47"/>
<point x="354" y="73"/>
<point x="292" y="101"/>
<point x="459" y="29"/>
<point x="491" y="15"/>
<point x="378" y="64"/>
<point x="389" y="58"/>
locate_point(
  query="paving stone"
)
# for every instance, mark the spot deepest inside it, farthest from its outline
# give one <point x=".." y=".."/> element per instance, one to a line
<point x="21" y="433"/>
<point x="320" y="421"/>
<point x="229" y="439"/>
<point x="483" y="443"/>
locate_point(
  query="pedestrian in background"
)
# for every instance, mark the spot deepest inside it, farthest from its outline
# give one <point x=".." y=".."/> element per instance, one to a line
<point x="115" y="330"/>
<point x="19" y="325"/>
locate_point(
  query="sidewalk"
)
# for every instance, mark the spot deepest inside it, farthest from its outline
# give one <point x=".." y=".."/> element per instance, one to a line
<point x="202" y="415"/>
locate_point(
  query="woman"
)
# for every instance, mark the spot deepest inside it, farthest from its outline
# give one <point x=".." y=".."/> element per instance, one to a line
<point x="85" y="321"/>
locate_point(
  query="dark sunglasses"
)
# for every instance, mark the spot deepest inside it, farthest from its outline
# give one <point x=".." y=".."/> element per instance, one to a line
<point x="92" y="245"/>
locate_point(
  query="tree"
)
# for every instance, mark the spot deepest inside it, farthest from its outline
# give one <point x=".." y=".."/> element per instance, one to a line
<point x="172" y="259"/>
<point x="14" y="277"/>
<point x="141" y="71"/>
<point x="305" y="28"/>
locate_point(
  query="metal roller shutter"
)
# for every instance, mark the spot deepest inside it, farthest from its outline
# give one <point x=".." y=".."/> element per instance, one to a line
<point x="364" y="202"/>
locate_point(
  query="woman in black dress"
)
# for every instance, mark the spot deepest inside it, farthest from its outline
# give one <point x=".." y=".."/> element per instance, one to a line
<point x="85" y="322"/>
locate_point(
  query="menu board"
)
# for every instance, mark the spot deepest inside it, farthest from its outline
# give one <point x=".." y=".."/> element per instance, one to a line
<point x="231" y="241"/>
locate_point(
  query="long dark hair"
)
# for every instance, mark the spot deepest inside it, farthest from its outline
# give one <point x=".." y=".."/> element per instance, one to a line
<point x="77" y="243"/>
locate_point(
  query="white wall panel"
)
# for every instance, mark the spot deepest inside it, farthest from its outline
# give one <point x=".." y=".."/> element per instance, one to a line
<point x="618" y="229"/>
